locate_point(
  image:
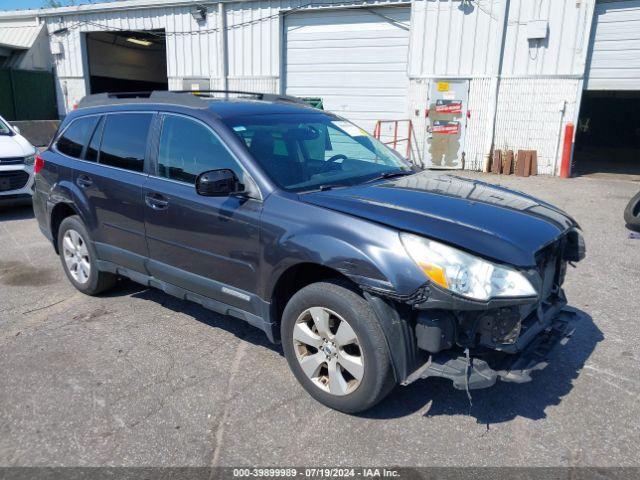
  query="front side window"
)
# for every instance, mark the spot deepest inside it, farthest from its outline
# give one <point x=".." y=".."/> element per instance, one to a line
<point x="302" y="152"/>
<point x="188" y="148"/>
<point x="124" y="140"/>
<point x="76" y="136"/>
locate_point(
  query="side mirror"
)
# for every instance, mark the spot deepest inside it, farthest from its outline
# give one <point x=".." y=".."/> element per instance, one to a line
<point x="218" y="183"/>
<point x="16" y="129"/>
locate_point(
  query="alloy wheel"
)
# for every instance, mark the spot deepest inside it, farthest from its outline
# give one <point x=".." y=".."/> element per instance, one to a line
<point x="76" y="256"/>
<point x="328" y="351"/>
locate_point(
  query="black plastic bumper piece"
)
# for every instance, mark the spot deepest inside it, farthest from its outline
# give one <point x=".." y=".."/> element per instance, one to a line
<point x="482" y="371"/>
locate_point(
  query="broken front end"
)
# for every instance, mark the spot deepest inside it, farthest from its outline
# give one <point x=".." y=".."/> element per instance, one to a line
<point x="475" y="342"/>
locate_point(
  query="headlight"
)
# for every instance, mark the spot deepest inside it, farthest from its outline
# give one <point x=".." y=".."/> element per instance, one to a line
<point x="29" y="160"/>
<point x="465" y="274"/>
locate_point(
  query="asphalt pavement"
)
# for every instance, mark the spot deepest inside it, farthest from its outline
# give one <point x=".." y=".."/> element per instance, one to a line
<point x="138" y="378"/>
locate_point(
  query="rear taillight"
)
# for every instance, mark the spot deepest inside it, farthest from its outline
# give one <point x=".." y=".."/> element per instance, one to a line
<point x="38" y="164"/>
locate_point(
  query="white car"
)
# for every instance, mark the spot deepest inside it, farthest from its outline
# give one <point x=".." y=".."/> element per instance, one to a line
<point x="16" y="165"/>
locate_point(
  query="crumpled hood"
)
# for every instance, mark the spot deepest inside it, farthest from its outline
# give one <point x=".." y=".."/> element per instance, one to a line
<point x="15" y="146"/>
<point x="486" y="219"/>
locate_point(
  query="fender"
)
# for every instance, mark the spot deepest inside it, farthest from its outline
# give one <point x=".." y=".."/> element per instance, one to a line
<point x="330" y="252"/>
<point x="68" y="192"/>
<point x="368" y="253"/>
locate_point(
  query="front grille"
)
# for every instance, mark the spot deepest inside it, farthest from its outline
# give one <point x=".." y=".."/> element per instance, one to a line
<point x="11" y="161"/>
<point x="13" y="180"/>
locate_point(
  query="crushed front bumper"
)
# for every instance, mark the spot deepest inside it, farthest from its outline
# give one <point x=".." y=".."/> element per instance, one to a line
<point x="481" y="369"/>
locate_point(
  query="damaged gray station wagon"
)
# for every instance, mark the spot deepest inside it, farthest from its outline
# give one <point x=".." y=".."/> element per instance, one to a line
<point x="370" y="272"/>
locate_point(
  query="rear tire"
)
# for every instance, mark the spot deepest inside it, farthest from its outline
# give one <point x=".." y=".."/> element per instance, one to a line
<point x="632" y="213"/>
<point x="336" y="348"/>
<point x="79" y="259"/>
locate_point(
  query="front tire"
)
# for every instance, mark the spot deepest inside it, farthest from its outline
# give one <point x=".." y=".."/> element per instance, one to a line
<point x="336" y="348"/>
<point x="79" y="259"/>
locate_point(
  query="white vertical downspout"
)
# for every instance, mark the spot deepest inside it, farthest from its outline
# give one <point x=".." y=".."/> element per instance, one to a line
<point x="498" y="52"/>
<point x="86" y="69"/>
<point x="223" y="56"/>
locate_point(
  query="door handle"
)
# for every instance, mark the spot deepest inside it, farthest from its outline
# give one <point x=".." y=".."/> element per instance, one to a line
<point x="156" y="201"/>
<point x="84" y="181"/>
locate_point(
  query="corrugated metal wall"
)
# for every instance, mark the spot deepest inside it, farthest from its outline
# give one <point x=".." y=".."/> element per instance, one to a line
<point x="532" y="114"/>
<point x="191" y="46"/>
<point x="453" y="38"/>
<point x="538" y="83"/>
<point x="478" y="122"/>
<point x="448" y="39"/>
<point x="563" y="52"/>
<point x="253" y="42"/>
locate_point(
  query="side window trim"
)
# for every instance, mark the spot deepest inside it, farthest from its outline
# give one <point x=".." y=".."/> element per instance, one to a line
<point x="98" y="129"/>
<point x="151" y="162"/>
<point x="155" y="171"/>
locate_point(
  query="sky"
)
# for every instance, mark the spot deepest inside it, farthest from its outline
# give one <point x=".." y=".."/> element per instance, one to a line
<point x="22" y="4"/>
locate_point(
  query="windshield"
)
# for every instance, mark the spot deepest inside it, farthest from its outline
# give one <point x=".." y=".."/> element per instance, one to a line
<point x="4" y="128"/>
<point x="303" y="152"/>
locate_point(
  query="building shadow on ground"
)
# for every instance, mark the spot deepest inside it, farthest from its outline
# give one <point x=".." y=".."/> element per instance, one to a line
<point x="235" y="326"/>
<point x="22" y="211"/>
<point x="504" y="401"/>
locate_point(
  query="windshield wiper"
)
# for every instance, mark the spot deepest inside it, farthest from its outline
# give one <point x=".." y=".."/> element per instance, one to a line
<point x="395" y="173"/>
<point x="321" y="188"/>
<point x="324" y="188"/>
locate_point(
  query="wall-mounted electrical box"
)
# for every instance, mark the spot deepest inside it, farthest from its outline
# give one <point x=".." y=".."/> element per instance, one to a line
<point x="537" y="29"/>
<point x="196" y="84"/>
<point x="56" y="48"/>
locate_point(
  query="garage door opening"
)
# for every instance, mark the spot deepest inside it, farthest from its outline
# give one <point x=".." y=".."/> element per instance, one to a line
<point x="608" y="134"/>
<point x="127" y="61"/>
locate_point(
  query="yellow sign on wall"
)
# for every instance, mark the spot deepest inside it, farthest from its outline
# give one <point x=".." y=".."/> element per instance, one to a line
<point x="443" y="86"/>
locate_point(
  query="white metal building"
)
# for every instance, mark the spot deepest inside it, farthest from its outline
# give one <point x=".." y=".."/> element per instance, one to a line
<point x="471" y="75"/>
<point x="24" y="42"/>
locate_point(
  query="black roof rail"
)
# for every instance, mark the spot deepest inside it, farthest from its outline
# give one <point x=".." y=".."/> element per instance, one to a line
<point x="187" y="98"/>
<point x="157" y="96"/>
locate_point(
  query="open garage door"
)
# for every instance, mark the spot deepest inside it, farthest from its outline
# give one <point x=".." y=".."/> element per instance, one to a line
<point x="614" y="58"/>
<point x="127" y="61"/>
<point x="355" y="60"/>
<point x="608" y="134"/>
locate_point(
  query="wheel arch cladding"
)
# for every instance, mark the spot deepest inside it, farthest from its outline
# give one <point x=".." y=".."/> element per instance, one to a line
<point x="295" y="278"/>
<point x="394" y="318"/>
<point x="396" y="321"/>
<point x="59" y="212"/>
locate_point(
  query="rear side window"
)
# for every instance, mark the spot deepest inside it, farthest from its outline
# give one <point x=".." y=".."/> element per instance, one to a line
<point x="124" y="140"/>
<point x="76" y="136"/>
<point x="188" y="148"/>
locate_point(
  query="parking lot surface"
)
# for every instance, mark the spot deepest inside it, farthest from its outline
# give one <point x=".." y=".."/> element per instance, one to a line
<point x="138" y="378"/>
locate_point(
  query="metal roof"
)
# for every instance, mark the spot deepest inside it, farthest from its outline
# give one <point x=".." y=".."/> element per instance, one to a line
<point x="21" y="37"/>
<point x="101" y="7"/>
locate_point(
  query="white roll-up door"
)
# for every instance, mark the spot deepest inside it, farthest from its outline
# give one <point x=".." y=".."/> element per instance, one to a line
<point x="614" y="62"/>
<point x="355" y="60"/>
